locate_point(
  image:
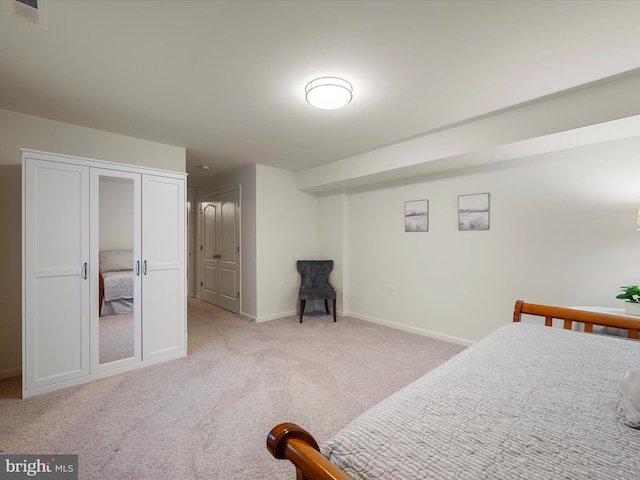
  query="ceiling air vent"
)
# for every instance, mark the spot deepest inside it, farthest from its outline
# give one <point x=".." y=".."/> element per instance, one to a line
<point x="29" y="10"/>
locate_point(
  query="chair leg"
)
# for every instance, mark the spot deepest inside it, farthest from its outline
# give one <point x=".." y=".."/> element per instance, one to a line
<point x="334" y="309"/>
<point x="302" y="304"/>
<point x="326" y="306"/>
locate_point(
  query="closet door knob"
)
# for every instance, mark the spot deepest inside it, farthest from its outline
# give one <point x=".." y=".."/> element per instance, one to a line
<point x="145" y="268"/>
<point x="84" y="271"/>
<point x="138" y="268"/>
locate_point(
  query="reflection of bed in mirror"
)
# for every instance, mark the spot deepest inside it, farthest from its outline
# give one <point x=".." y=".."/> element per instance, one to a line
<point x="116" y="305"/>
<point x="116" y="282"/>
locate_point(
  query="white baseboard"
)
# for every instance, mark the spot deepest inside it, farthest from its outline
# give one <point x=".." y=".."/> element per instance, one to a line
<point x="10" y="372"/>
<point x="276" y="316"/>
<point x="291" y="313"/>
<point x="419" y="331"/>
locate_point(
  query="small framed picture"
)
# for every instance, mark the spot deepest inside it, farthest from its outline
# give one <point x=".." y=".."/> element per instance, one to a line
<point x="416" y="216"/>
<point x="473" y="212"/>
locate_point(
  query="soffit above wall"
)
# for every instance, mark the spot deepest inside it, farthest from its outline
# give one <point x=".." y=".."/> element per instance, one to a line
<point x="598" y="113"/>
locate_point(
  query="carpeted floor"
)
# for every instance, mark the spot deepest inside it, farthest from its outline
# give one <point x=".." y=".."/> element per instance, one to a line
<point x="207" y="416"/>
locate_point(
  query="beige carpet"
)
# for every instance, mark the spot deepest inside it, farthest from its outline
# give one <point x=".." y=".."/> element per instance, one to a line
<point x="207" y="416"/>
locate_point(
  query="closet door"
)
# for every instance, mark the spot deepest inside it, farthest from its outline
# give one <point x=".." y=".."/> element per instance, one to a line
<point x="56" y="273"/>
<point x="164" y="275"/>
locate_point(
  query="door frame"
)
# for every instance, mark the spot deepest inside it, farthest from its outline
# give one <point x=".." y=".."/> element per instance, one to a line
<point x="210" y="197"/>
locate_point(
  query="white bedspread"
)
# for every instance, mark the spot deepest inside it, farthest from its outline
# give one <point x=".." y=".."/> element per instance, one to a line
<point x="528" y="402"/>
<point x="118" y="285"/>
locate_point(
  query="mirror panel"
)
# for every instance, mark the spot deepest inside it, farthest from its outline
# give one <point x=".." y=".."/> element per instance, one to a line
<point x="117" y="269"/>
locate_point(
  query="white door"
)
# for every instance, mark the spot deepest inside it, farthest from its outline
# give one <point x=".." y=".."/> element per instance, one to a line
<point x="56" y="273"/>
<point x="220" y="248"/>
<point x="163" y="271"/>
<point x="210" y="290"/>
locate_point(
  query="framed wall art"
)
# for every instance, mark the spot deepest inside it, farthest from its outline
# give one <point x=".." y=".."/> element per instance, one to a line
<point x="416" y="216"/>
<point x="473" y="212"/>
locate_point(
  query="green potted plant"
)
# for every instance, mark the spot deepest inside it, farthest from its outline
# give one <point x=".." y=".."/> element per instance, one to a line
<point x="630" y="293"/>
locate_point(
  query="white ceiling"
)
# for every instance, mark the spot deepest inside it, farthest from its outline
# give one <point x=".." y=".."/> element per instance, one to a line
<point x="225" y="79"/>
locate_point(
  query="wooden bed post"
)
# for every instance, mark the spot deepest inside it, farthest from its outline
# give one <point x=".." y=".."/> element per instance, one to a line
<point x="294" y="443"/>
<point x="517" y="311"/>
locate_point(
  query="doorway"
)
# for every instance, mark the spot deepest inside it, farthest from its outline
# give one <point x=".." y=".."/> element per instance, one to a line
<point x="220" y="250"/>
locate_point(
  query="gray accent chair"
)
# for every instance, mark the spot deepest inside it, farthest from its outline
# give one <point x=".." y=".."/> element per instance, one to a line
<point x="314" y="285"/>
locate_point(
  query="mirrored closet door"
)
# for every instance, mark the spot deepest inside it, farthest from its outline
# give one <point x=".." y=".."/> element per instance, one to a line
<point x="115" y="233"/>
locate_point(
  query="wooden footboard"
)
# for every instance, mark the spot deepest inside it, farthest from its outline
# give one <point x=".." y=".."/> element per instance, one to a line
<point x="291" y="442"/>
<point x="570" y="315"/>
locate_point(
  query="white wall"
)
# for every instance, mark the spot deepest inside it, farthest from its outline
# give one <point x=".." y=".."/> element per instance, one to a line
<point x="563" y="176"/>
<point x="11" y="278"/>
<point x="562" y="232"/>
<point x="191" y="236"/>
<point x="286" y="231"/>
<point x="333" y="241"/>
<point x="23" y="131"/>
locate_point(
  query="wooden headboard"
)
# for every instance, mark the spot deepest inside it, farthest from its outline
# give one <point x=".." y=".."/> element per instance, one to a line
<point x="570" y="315"/>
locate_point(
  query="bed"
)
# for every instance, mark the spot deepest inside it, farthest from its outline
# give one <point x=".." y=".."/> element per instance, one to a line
<point x="115" y="282"/>
<point x="526" y="402"/>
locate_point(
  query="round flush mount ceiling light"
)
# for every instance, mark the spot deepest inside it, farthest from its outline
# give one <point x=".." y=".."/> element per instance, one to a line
<point x="328" y="93"/>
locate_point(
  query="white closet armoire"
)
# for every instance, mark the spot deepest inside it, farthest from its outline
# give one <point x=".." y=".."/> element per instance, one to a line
<point x="74" y="211"/>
